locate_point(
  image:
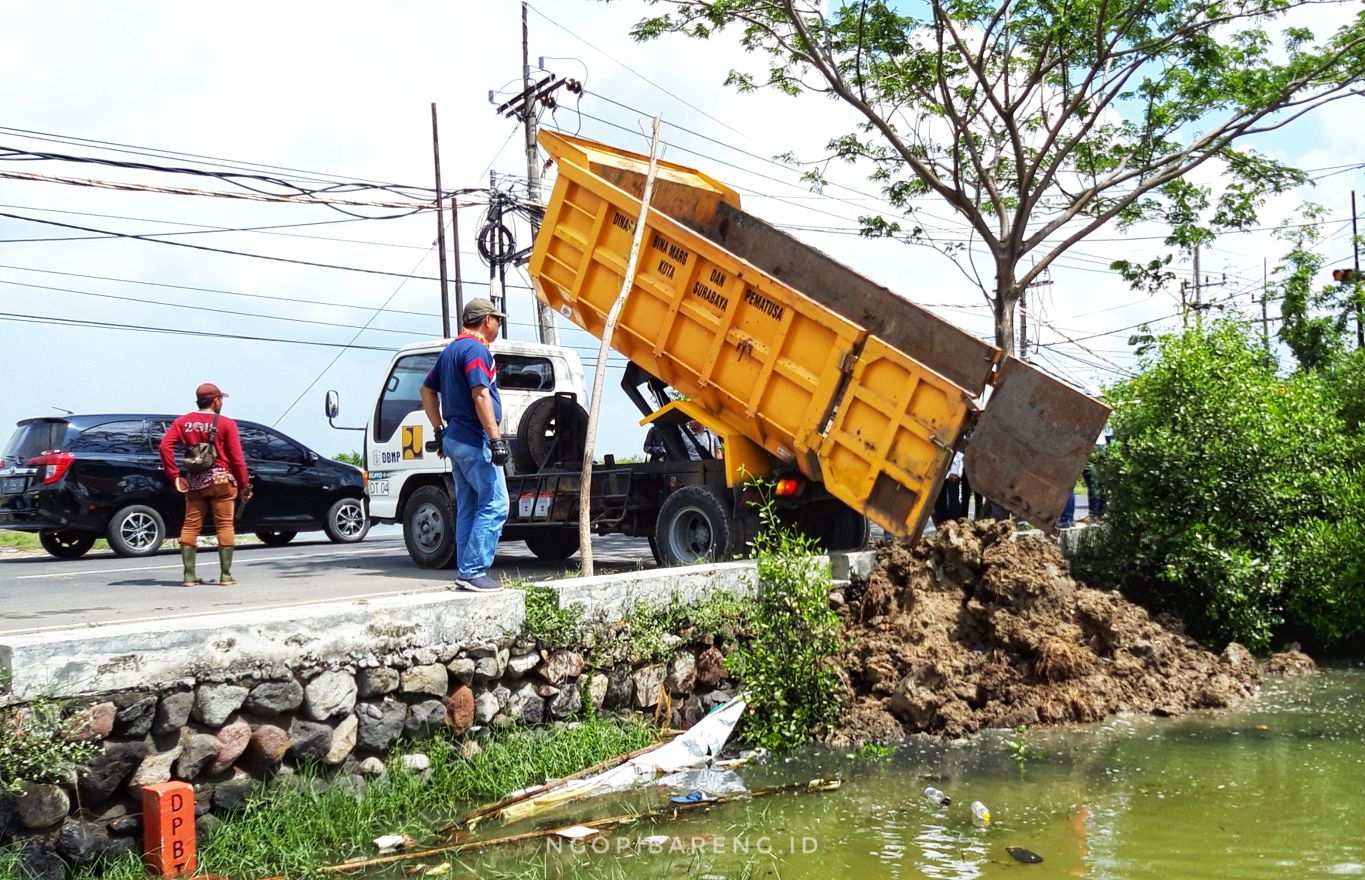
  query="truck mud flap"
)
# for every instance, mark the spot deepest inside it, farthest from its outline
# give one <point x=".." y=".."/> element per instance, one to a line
<point x="1031" y="442"/>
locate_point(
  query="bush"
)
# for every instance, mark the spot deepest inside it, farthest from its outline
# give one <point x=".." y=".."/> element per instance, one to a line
<point x="36" y="745"/>
<point x="1225" y="486"/>
<point x="788" y="664"/>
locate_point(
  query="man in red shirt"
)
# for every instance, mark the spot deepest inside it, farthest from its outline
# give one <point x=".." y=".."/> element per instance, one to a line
<point x="214" y="488"/>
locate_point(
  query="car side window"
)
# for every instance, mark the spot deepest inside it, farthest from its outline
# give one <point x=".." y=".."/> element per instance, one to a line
<point x="128" y="437"/>
<point x="402" y="393"/>
<point x="260" y="444"/>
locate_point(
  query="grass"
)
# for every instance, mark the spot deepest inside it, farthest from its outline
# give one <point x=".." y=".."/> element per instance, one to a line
<point x="292" y="827"/>
<point x="21" y="540"/>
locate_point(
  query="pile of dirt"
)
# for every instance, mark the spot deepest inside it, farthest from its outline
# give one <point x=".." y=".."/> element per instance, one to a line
<point x="971" y="629"/>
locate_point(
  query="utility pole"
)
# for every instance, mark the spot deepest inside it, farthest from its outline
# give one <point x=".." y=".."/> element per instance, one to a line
<point x="1046" y="281"/>
<point x="546" y="331"/>
<point x="1198" y="300"/>
<point x="455" y="234"/>
<point x="1355" y="240"/>
<point x="440" y="227"/>
<point x="1265" y="295"/>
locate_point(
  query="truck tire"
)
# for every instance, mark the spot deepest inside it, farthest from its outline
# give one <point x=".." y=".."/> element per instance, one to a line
<point x="553" y="544"/>
<point x="841" y="528"/>
<point x="429" y="527"/>
<point x="694" y="526"/>
<point x="540" y="436"/>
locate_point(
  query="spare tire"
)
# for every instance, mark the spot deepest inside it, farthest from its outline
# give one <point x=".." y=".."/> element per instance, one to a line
<point x="542" y="441"/>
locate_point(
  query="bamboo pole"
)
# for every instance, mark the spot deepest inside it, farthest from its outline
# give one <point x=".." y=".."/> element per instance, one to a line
<point x="599" y="378"/>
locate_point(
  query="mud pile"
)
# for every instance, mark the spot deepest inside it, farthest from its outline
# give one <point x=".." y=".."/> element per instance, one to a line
<point x="970" y="629"/>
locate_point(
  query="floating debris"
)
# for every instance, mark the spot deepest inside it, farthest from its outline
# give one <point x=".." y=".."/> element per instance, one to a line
<point x="1027" y="856"/>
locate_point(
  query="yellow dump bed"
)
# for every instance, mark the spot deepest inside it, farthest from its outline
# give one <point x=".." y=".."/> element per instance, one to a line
<point x="778" y="343"/>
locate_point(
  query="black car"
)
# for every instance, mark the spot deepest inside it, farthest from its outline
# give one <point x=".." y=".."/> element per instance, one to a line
<point x="73" y="479"/>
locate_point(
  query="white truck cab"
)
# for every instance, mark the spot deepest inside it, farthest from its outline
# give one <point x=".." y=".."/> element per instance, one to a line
<point x="408" y="482"/>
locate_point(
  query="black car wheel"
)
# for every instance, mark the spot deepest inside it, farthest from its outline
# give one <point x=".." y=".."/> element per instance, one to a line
<point x="429" y="527"/>
<point x="346" y="522"/>
<point x="136" y="530"/>
<point x="67" y="544"/>
<point x="553" y="544"/>
<point x="275" y="537"/>
<point x="693" y="526"/>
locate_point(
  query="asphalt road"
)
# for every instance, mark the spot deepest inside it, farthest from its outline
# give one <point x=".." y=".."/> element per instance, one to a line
<point x="38" y="592"/>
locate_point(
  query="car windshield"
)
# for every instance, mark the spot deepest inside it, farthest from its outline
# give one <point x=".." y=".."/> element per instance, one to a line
<point x="34" y="438"/>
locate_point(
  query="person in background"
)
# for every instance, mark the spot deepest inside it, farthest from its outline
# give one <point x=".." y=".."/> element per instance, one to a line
<point x="215" y="489"/>
<point x="698" y="437"/>
<point x="462" y="391"/>
<point x="654" y="445"/>
<point x="950" y="502"/>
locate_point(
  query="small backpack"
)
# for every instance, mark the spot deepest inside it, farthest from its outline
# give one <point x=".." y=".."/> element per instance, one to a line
<point x="200" y="457"/>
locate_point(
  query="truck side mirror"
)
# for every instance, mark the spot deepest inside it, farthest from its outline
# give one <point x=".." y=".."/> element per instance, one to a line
<point x="332" y="405"/>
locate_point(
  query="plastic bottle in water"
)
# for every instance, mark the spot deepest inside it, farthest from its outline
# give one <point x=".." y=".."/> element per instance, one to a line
<point x="981" y="814"/>
<point x="936" y="797"/>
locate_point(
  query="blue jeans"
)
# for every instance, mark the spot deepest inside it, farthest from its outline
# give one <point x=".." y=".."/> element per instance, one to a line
<point x="1068" y="517"/>
<point x="480" y="506"/>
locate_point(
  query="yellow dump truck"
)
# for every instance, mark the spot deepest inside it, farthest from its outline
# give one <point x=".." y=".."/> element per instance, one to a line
<point x="811" y="374"/>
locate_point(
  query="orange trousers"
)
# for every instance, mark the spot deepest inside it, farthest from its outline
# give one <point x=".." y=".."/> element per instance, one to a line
<point x="220" y="498"/>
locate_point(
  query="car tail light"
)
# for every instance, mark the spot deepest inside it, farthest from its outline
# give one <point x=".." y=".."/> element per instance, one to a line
<point x="54" y="465"/>
<point x="787" y="487"/>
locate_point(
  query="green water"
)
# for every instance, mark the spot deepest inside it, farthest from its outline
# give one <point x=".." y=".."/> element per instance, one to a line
<point x="1275" y="790"/>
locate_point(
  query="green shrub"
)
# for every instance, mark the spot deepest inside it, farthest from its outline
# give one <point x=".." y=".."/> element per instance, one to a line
<point x="35" y="745"/>
<point x="1219" y="467"/>
<point x="788" y="663"/>
<point x="554" y="626"/>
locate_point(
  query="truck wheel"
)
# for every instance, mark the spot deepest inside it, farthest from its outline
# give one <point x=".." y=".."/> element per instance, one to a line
<point x="553" y="544"/>
<point x="136" y="530"/>
<point x="540" y="436"/>
<point x="693" y="526"/>
<point x="842" y="528"/>
<point x="67" y="544"/>
<point x="429" y="527"/>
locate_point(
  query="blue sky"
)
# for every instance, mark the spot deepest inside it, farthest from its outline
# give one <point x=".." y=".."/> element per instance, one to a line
<point x="342" y="91"/>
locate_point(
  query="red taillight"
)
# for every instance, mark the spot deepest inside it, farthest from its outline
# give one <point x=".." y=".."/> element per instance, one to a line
<point x="787" y="487"/>
<point x="54" y="465"/>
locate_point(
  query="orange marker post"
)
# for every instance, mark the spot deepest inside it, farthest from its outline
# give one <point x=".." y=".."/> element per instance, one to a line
<point x="168" y="829"/>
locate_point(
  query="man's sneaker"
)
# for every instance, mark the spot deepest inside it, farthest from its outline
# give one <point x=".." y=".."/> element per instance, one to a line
<point x="481" y="584"/>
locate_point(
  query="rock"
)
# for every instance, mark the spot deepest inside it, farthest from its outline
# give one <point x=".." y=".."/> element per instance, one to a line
<point x="647" y="680"/>
<point x="329" y="694"/>
<point x="39" y="861"/>
<point x="232" y="742"/>
<point x="486" y="669"/>
<point x="1240" y="663"/>
<point x="197" y="751"/>
<point x="352" y="783"/>
<point x="94" y="723"/>
<point x="215" y="703"/>
<point x="81" y="841"/>
<point x="275" y="697"/>
<point x="173" y="712"/>
<point x="373" y="766"/>
<point x="461" y="669"/>
<point x="693" y="710"/>
<point x="597" y="690"/>
<point x="309" y="740"/>
<point x="620" y="687"/>
<point x="1291" y="662"/>
<point x="460" y="710"/>
<point x="42" y="805"/>
<point x="380" y="724"/>
<point x="98" y="780"/>
<point x="561" y="665"/>
<point x="9" y="811"/>
<point x="710" y="667"/>
<point x="682" y="673"/>
<point x="267" y="747"/>
<point x="154" y="769"/>
<point x="433" y="679"/>
<point x="485" y="707"/>
<point x="520" y="664"/>
<point x="206" y="824"/>
<point x="425" y="718"/>
<point x="470" y="749"/>
<point x="545" y="691"/>
<point x="344" y="738"/>
<point x="716" y="698"/>
<point x="525" y="705"/>
<point x="233" y="794"/>
<point x="567" y="703"/>
<point x="376" y="681"/>
<point x="135" y="718"/>
<point x="115" y="846"/>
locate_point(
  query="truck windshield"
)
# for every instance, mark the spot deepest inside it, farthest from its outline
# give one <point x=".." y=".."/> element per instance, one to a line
<point x="402" y="393"/>
<point x="34" y="438"/>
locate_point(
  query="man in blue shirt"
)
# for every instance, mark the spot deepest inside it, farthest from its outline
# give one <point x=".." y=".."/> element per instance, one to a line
<point x="462" y="391"/>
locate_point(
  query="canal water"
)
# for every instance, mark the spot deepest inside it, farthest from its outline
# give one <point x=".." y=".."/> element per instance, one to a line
<point x="1274" y="790"/>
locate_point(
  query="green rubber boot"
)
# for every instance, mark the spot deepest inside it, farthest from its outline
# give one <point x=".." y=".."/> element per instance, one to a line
<point x="187" y="557"/>
<point x="225" y="578"/>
